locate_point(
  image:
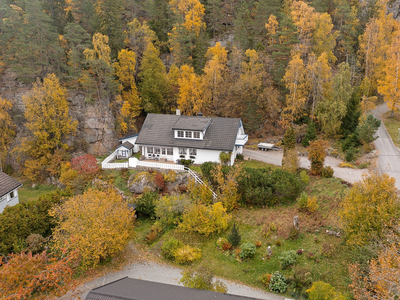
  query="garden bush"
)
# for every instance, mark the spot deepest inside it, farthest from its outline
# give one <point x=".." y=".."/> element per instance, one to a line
<point x="304" y="177"/>
<point x="19" y="221"/>
<point x="248" y="250"/>
<point x="186" y="254"/>
<point x="205" y="219"/>
<point x="221" y="242"/>
<point x="302" y="201"/>
<point x="278" y="283"/>
<point x="169" y="209"/>
<point x="268" y="186"/>
<point x="323" y="291"/>
<point x="350" y="154"/>
<point x="287" y="258"/>
<point x="169" y="247"/>
<point x="146" y="203"/>
<point x="327" y="172"/>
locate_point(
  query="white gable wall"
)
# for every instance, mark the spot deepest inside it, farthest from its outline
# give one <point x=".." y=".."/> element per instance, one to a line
<point x="9" y="199"/>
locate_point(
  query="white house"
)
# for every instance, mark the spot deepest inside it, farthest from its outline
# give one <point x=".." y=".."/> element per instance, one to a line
<point x="201" y="139"/>
<point x="8" y="191"/>
<point x="124" y="150"/>
<point x="131" y="138"/>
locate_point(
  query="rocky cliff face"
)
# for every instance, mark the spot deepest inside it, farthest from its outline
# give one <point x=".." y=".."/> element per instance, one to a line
<point x="95" y="132"/>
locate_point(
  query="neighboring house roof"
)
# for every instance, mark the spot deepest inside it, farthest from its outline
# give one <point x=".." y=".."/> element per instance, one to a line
<point x="191" y="123"/>
<point x="128" y="136"/>
<point x="7" y="184"/>
<point x="136" y="289"/>
<point x="157" y="130"/>
<point x="127" y="145"/>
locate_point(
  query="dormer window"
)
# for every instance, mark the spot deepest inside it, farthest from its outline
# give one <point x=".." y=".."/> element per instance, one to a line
<point x="188" y="134"/>
<point x="180" y="134"/>
<point x="196" y="134"/>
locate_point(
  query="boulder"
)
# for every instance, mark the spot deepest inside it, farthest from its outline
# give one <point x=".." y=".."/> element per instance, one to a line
<point x="142" y="182"/>
<point x="181" y="179"/>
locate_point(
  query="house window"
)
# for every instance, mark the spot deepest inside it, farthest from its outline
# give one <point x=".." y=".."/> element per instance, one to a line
<point x="182" y="151"/>
<point x="149" y="149"/>
<point x="170" y="151"/>
<point x="12" y="195"/>
<point x="157" y="150"/>
<point x="192" y="152"/>
<point x="163" y="151"/>
<point x="181" y="133"/>
<point x="196" y="135"/>
<point x="188" y="134"/>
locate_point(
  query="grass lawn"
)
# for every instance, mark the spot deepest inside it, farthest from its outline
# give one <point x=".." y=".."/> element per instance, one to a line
<point x="27" y="193"/>
<point x="256" y="164"/>
<point x="119" y="178"/>
<point x="392" y="125"/>
<point x="329" y="266"/>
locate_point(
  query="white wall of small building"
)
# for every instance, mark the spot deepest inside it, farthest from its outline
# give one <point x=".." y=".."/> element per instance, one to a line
<point x="8" y="200"/>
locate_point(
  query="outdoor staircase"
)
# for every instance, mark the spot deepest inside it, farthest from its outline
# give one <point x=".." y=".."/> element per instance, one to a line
<point x="199" y="181"/>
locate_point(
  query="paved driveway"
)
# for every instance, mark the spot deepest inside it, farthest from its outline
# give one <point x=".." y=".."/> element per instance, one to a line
<point x="389" y="154"/>
<point x="275" y="158"/>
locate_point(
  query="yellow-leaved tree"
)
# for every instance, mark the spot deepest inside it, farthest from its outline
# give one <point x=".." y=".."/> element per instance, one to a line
<point x="6" y="129"/>
<point x="189" y="101"/>
<point x="97" y="225"/>
<point x="369" y="208"/>
<point x="47" y="118"/>
<point x="128" y="99"/>
<point x="296" y="83"/>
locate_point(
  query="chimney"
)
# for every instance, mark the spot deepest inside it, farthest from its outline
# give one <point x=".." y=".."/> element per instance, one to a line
<point x="199" y="114"/>
<point x="178" y="112"/>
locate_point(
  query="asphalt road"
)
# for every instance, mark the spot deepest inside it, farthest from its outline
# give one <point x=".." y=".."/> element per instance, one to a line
<point x="389" y="154"/>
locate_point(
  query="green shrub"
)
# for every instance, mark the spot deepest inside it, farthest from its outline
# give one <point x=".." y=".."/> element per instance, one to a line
<point x="187" y="162"/>
<point x="277" y="283"/>
<point x="287" y="258"/>
<point x="202" y="279"/>
<point x="169" y="247"/>
<point x="221" y="242"/>
<point x="169" y="209"/>
<point x="225" y="157"/>
<point x="323" y="291"/>
<point x="350" y="154"/>
<point x="311" y="134"/>
<point x="234" y="237"/>
<point x="19" y="221"/>
<point x="146" y="203"/>
<point x="186" y="254"/>
<point x="268" y="186"/>
<point x="302" y="201"/>
<point x="304" y="177"/>
<point x="327" y="172"/>
<point x="248" y="250"/>
<point x="239" y="157"/>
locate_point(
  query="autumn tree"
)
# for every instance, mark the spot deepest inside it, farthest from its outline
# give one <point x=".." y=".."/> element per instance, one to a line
<point x="316" y="155"/>
<point x="389" y="83"/>
<point x="6" y="129"/>
<point x="28" y="276"/>
<point x="367" y="128"/>
<point x="370" y="207"/>
<point x="227" y="186"/>
<point x="128" y="99"/>
<point x="153" y="81"/>
<point x="48" y="119"/>
<point x="295" y="82"/>
<point x="98" y="76"/>
<point x="334" y="108"/>
<point x="96" y="225"/>
<point x="189" y="100"/>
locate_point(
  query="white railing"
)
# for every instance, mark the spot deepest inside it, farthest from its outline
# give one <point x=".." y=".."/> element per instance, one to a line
<point x="106" y="164"/>
<point x="199" y="181"/>
<point x="134" y="162"/>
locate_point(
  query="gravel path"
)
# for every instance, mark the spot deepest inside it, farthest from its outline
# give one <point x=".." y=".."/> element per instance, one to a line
<point x="275" y="158"/>
<point x="165" y="274"/>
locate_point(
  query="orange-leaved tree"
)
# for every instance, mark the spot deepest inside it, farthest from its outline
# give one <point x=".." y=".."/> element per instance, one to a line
<point x="369" y="208"/>
<point x="27" y="276"/>
<point x="97" y="225"/>
<point x="316" y="155"/>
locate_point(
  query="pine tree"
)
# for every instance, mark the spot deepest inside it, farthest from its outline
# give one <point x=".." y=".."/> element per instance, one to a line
<point x="311" y="134"/>
<point x="234" y="237"/>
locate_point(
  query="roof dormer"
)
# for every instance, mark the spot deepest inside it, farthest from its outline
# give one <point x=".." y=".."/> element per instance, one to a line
<point x="191" y="127"/>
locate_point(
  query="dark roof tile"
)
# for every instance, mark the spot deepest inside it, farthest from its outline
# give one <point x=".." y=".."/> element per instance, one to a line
<point x="7" y="184"/>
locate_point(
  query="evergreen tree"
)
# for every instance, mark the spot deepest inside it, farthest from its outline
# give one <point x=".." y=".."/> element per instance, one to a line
<point x="33" y="50"/>
<point x="289" y="139"/>
<point x="234" y="237"/>
<point x="311" y="134"/>
<point x="353" y="113"/>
